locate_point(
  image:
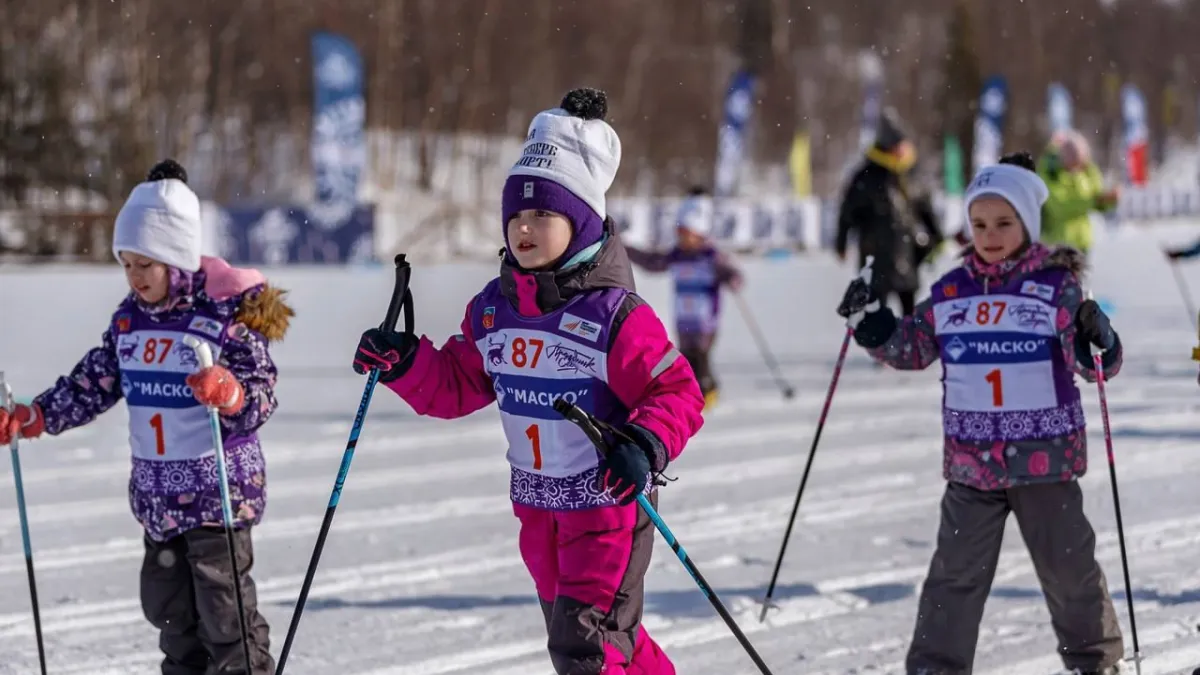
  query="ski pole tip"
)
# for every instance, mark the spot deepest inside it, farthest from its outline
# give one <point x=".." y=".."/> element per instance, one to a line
<point x="767" y="605"/>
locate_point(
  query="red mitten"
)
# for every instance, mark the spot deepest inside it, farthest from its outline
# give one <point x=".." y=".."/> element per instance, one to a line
<point x="216" y="387"/>
<point x="25" y="421"/>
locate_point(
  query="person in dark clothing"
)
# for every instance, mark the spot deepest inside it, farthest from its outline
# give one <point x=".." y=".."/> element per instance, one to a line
<point x="890" y="214"/>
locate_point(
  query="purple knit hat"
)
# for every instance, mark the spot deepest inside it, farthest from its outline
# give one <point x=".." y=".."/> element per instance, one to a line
<point x="567" y="164"/>
<point x="530" y="192"/>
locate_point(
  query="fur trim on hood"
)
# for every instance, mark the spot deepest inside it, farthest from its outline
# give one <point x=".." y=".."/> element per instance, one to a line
<point x="264" y="310"/>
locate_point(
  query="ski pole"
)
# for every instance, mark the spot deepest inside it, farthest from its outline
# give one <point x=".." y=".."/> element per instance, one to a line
<point x="756" y="332"/>
<point x="401" y="298"/>
<point x="812" y="452"/>
<point x="591" y="428"/>
<point x="1184" y="292"/>
<point x="204" y="355"/>
<point x="1112" y="473"/>
<point x="865" y="275"/>
<point x="13" y="447"/>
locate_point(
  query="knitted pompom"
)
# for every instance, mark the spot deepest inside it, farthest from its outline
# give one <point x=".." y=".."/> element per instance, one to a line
<point x="590" y="104"/>
<point x="168" y="168"/>
<point x="1021" y="159"/>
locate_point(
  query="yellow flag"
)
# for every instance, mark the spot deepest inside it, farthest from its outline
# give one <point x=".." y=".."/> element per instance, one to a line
<point x="801" y="165"/>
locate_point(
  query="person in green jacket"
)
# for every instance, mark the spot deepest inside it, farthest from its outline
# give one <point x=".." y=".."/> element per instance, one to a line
<point x="1076" y="189"/>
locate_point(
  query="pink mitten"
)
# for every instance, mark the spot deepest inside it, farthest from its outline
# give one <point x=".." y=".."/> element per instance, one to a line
<point x="216" y="387"/>
<point x="25" y="421"/>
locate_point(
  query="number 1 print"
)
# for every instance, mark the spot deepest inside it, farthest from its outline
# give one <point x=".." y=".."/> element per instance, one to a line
<point x="997" y="388"/>
<point x="535" y="437"/>
<point x="156" y="422"/>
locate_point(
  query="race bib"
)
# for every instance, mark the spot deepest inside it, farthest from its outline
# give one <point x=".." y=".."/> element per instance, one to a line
<point x="166" y="423"/>
<point x="530" y="370"/>
<point x="997" y="351"/>
<point x="693" y="307"/>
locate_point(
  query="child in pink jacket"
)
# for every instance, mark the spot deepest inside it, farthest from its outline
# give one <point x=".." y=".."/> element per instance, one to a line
<point x="562" y="321"/>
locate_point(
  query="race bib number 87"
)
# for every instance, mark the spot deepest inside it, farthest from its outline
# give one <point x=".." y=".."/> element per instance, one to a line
<point x="998" y="353"/>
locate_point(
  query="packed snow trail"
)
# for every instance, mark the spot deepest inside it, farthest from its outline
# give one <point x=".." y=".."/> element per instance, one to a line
<point x="421" y="575"/>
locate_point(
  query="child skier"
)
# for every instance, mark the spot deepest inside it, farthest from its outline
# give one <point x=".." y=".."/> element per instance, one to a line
<point x="187" y="587"/>
<point x="562" y="320"/>
<point x="1011" y="326"/>
<point x="699" y="270"/>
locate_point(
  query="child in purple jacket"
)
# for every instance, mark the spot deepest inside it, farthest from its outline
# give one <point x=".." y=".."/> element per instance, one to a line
<point x="1013" y="330"/>
<point x="699" y="271"/>
<point x="187" y="588"/>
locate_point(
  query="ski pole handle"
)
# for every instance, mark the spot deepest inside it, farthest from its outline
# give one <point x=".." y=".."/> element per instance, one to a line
<point x="866" y="272"/>
<point x="401" y="298"/>
<point x="202" y="349"/>
<point x="581" y="419"/>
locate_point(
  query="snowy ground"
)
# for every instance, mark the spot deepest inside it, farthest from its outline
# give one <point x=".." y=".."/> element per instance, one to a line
<point x="421" y="574"/>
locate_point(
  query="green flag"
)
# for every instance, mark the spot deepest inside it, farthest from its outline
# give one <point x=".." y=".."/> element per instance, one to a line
<point x="952" y="165"/>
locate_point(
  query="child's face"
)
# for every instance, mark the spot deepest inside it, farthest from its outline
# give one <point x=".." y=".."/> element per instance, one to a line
<point x="147" y="277"/>
<point x="996" y="228"/>
<point x="688" y="240"/>
<point x="537" y="238"/>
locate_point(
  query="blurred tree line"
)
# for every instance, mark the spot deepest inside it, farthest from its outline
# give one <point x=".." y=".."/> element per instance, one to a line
<point x="92" y="91"/>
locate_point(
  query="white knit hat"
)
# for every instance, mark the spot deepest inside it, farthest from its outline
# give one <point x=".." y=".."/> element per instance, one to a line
<point x="1020" y="187"/>
<point x="161" y="220"/>
<point x="696" y="214"/>
<point x="573" y="146"/>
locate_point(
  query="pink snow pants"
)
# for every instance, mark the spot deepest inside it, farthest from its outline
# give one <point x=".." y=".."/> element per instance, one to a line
<point x="589" y="568"/>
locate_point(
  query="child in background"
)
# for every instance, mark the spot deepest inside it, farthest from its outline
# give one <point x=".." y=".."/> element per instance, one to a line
<point x="187" y="588"/>
<point x="1012" y="329"/>
<point x="562" y="321"/>
<point x="699" y="270"/>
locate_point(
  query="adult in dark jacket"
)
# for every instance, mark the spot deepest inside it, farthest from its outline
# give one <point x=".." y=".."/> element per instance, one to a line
<point x="890" y="214"/>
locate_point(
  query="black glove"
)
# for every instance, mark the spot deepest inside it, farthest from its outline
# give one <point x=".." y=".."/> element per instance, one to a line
<point x="625" y="470"/>
<point x="872" y="321"/>
<point x="859" y="295"/>
<point x="1093" y="327"/>
<point x="390" y="352"/>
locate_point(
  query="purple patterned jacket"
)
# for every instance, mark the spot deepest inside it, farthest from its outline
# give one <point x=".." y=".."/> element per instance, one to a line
<point x="1035" y="457"/>
<point x="169" y="498"/>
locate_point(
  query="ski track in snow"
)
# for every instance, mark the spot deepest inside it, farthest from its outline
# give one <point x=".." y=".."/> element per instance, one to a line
<point x="420" y="574"/>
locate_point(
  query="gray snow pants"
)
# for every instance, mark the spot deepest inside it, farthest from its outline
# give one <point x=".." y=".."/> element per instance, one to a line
<point x="187" y="594"/>
<point x="1061" y="544"/>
